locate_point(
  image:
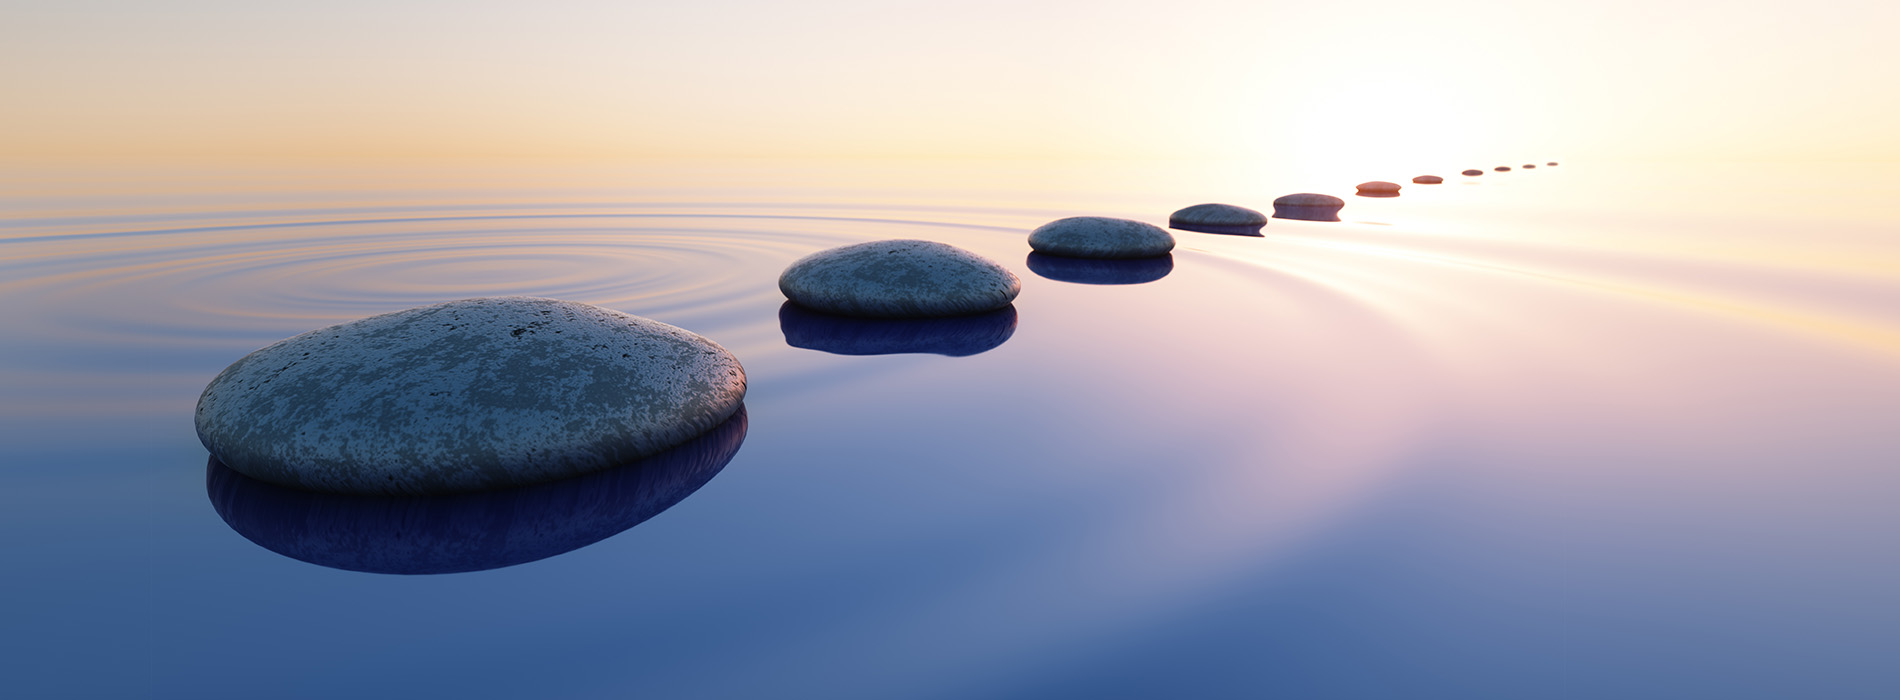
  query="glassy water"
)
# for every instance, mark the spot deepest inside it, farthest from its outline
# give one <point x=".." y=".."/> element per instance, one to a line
<point x="1597" y="430"/>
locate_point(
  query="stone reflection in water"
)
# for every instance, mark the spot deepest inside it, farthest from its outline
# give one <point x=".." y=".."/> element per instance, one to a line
<point x="1081" y="271"/>
<point x="467" y="531"/>
<point x="955" y="336"/>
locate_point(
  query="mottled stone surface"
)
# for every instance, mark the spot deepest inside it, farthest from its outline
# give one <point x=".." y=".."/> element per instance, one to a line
<point x="1218" y="218"/>
<point x="899" y="279"/>
<point x="1503" y="168"/>
<point x="1100" y="238"/>
<point x="1307" y="206"/>
<point x="1428" y="180"/>
<point x="1473" y="173"/>
<point x="1378" y="187"/>
<point x="466" y="395"/>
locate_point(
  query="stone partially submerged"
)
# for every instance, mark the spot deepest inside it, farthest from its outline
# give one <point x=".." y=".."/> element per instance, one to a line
<point x="1307" y="206"/>
<point x="1378" y="188"/>
<point x="1101" y="238"/>
<point x="898" y="279"/>
<point x="1218" y="218"/>
<point x="465" y="396"/>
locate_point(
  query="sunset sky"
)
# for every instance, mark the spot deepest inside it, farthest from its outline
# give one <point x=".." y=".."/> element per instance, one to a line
<point x="599" y="79"/>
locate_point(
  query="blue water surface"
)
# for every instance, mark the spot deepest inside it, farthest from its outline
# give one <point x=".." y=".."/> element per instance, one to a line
<point x="1573" y="432"/>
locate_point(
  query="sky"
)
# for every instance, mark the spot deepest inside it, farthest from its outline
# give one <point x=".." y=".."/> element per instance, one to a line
<point x="606" y="80"/>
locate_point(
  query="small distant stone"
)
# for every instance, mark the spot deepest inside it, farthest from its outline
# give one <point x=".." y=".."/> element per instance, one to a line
<point x="1428" y="180"/>
<point x="1472" y="173"/>
<point x="1378" y="187"/>
<point x="1307" y="206"/>
<point x="1101" y="238"/>
<point x="464" y="396"/>
<point x="1503" y="168"/>
<point x="1530" y="166"/>
<point x="899" y="279"/>
<point x="1551" y="163"/>
<point x="1218" y="218"/>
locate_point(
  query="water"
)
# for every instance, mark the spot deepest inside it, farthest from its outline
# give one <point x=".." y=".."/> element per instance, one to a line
<point x="1586" y="431"/>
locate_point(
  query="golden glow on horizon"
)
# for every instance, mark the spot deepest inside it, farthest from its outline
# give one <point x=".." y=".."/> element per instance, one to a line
<point x="1381" y="81"/>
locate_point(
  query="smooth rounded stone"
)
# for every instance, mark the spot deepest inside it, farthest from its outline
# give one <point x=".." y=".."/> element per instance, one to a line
<point x="951" y="336"/>
<point x="475" y="531"/>
<point x="1378" y="187"/>
<point x="464" y="396"/>
<point x="1503" y="168"/>
<point x="1101" y="238"/>
<point x="1551" y="163"/>
<point x="1307" y="206"/>
<point x="1530" y="166"/>
<point x="1085" y="271"/>
<point x="1428" y="180"/>
<point x="1218" y="218"/>
<point x="899" y="279"/>
<point x="1472" y="173"/>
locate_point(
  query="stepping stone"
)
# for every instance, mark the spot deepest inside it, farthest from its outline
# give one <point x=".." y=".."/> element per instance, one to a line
<point x="898" y="279"/>
<point x="1101" y="238"/>
<point x="464" y="396"/>
<point x="1307" y="206"/>
<point x="1218" y="218"/>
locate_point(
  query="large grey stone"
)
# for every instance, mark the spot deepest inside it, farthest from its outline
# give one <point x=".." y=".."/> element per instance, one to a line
<point x="1218" y="218"/>
<point x="466" y="395"/>
<point x="1100" y="238"/>
<point x="898" y="279"/>
<point x="1308" y="206"/>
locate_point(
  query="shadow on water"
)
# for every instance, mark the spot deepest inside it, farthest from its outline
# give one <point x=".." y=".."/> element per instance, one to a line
<point x="1089" y="271"/>
<point x="1305" y="213"/>
<point x="1224" y="230"/>
<point x="954" y="336"/>
<point x="468" y="531"/>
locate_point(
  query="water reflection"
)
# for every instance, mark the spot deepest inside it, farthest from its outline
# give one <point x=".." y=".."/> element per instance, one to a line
<point x="471" y="531"/>
<point x="955" y="336"/>
<point x="1305" y="213"/>
<point x="1225" y="230"/>
<point x="1087" y="271"/>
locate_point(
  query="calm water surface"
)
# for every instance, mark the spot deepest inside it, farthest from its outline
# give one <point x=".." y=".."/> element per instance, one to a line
<point x="1599" y="430"/>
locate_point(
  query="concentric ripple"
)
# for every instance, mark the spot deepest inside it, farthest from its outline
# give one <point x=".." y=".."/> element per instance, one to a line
<point x="184" y="287"/>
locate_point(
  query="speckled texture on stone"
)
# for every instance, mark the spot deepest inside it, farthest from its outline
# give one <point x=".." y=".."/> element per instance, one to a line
<point x="1100" y="238"/>
<point x="1307" y="206"/>
<point x="899" y="279"/>
<point x="1472" y="173"/>
<point x="1428" y="180"/>
<point x="1379" y="187"/>
<point x="464" y="396"/>
<point x="1308" y="199"/>
<point x="1216" y="215"/>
